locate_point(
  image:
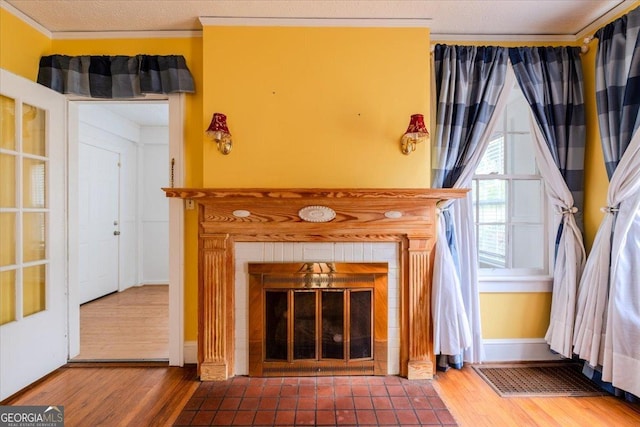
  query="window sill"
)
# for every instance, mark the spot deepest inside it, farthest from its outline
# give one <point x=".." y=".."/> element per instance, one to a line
<point x="513" y="284"/>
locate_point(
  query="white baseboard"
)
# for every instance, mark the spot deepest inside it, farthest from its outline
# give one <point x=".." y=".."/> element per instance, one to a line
<point x="520" y="349"/>
<point x="191" y="352"/>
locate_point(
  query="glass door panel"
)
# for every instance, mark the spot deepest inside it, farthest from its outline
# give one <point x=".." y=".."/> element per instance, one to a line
<point x="304" y="325"/>
<point x="333" y="335"/>
<point x="34" y="130"/>
<point x="276" y="325"/>
<point x="360" y="328"/>
<point x="7" y="123"/>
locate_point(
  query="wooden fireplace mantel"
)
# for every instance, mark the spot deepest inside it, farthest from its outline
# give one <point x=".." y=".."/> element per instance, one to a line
<point x="406" y="216"/>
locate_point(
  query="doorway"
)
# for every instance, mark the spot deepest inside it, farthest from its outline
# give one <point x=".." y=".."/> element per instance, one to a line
<point x="123" y="230"/>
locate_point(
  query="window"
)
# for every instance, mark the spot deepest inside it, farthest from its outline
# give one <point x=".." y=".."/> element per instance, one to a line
<point x="509" y="200"/>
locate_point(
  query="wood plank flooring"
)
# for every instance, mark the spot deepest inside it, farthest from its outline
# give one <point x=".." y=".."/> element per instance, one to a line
<point x="474" y="403"/>
<point x="114" y="396"/>
<point x="128" y="325"/>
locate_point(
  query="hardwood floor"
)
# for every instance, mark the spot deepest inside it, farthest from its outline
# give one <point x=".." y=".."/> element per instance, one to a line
<point x="146" y="396"/>
<point x="128" y="325"/>
<point x="473" y="403"/>
<point x="114" y="396"/>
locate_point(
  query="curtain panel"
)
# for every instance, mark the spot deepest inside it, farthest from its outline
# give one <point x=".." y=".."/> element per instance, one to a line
<point x="607" y="329"/>
<point x="469" y="83"/>
<point x="115" y="76"/>
<point x="551" y="80"/>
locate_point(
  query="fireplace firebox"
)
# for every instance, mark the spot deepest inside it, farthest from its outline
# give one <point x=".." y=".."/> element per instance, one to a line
<point x="317" y="318"/>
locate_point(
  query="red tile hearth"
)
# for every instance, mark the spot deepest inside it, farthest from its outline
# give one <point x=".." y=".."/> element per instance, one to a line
<point x="316" y="401"/>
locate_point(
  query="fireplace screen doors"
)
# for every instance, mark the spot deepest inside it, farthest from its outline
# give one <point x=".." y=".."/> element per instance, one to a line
<point x="309" y="323"/>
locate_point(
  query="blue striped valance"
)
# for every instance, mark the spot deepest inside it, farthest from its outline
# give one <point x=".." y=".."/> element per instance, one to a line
<point x="115" y="76"/>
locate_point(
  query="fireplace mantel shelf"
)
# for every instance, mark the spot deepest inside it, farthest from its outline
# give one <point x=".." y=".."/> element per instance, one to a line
<point x="414" y="194"/>
<point x="405" y="216"/>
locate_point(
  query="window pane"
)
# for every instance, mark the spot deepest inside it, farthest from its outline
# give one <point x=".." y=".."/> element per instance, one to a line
<point x="33" y="235"/>
<point x="8" y="240"/>
<point x="7" y="181"/>
<point x="304" y="325"/>
<point x="360" y="325"/>
<point x="7" y="123"/>
<point x="333" y="325"/>
<point x="33" y="289"/>
<point x="33" y="130"/>
<point x="518" y="112"/>
<point x="492" y="201"/>
<point x="492" y="248"/>
<point x="33" y="184"/>
<point x="527" y="201"/>
<point x="7" y="296"/>
<point x="527" y="246"/>
<point x="276" y="325"/>
<point x="493" y="158"/>
<point x="522" y="156"/>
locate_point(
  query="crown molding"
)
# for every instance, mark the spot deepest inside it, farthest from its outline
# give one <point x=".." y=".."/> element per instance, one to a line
<point x="27" y="20"/>
<point x="84" y="35"/>
<point x="233" y="21"/>
<point x="608" y="17"/>
<point x="502" y="38"/>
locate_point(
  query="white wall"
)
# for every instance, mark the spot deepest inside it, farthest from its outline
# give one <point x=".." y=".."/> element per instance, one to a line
<point x="154" y="223"/>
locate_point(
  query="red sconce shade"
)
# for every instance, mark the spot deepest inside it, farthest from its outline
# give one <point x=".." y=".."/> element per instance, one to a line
<point x="416" y="132"/>
<point x="218" y="124"/>
<point x="416" y="128"/>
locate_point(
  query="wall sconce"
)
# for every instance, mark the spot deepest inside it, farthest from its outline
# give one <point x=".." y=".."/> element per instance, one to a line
<point x="219" y="132"/>
<point x="416" y="132"/>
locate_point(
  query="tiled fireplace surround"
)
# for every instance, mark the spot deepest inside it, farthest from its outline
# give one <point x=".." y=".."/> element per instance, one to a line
<point x="394" y="226"/>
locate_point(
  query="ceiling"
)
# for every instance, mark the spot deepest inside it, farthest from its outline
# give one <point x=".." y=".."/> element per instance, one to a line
<point x="464" y="19"/>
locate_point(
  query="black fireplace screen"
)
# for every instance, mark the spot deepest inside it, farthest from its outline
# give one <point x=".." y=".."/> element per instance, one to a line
<point x="318" y="324"/>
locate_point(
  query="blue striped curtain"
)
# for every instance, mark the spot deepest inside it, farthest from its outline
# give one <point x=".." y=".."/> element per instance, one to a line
<point x="551" y="80"/>
<point x="608" y="321"/>
<point x="618" y="86"/>
<point x="469" y="81"/>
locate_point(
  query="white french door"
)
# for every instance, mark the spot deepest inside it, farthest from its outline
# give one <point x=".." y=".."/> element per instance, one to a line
<point x="33" y="248"/>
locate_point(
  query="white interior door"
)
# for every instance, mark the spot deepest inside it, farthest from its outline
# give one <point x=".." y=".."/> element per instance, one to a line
<point x="99" y="181"/>
<point x="33" y="247"/>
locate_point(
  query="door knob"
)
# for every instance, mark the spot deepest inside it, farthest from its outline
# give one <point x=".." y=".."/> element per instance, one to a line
<point x="116" y="233"/>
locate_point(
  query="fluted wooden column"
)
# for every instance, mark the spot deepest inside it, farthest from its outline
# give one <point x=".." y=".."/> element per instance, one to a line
<point x="420" y="365"/>
<point x="215" y="314"/>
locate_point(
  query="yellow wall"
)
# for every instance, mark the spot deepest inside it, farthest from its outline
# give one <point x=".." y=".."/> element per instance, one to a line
<point x="316" y="107"/>
<point x="508" y="315"/>
<point x="21" y="46"/>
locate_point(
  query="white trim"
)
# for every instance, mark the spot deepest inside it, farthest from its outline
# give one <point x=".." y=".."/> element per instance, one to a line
<point x="190" y="352"/>
<point x="501" y="38"/>
<point x="73" y="230"/>
<point x="100" y="35"/>
<point x="176" y="232"/>
<point x="249" y="21"/>
<point x="514" y="285"/>
<point x="517" y="349"/>
<point x="27" y="20"/>
<point x="605" y="19"/>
